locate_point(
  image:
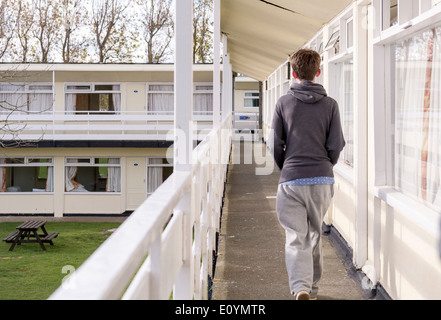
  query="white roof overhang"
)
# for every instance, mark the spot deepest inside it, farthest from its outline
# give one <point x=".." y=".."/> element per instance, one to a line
<point x="262" y="34"/>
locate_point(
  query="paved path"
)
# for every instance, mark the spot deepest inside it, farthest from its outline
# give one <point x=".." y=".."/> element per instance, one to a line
<point x="251" y="259"/>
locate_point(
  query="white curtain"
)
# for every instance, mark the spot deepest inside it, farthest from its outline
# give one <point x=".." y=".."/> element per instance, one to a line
<point x="71" y="172"/>
<point x="154" y="175"/>
<point x="13" y="98"/>
<point x="116" y="97"/>
<point x="158" y="101"/>
<point x="417" y="116"/>
<point x="113" y="177"/>
<point x="71" y="101"/>
<point x="40" y="102"/>
<point x="50" y="179"/>
<point x="203" y="103"/>
<point x="2" y="176"/>
<point x="13" y="102"/>
<point x="434" y="134"/>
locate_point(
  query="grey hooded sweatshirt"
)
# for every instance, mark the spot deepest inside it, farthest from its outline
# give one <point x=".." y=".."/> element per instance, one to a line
<point x="308" y="137"/>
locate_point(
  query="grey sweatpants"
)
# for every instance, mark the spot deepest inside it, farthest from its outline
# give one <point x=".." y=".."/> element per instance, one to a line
<point x="301" y="210"/>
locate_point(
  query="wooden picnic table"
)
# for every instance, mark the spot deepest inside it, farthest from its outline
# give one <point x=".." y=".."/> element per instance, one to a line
<point x="28" y="233"/>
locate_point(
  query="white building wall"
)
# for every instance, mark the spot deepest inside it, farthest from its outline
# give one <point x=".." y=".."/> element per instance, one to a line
<point x="60" y="202"/>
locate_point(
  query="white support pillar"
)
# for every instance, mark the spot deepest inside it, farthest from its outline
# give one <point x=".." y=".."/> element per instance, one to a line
<point x="328" y="219"/>
<point x="216" y="64"/>
<point x="183" y="135"/>
<point x="183" y="99"/>
<point x="378" y="146"/>
<point x="227" y="83"/>
<point x="360" y="134"/>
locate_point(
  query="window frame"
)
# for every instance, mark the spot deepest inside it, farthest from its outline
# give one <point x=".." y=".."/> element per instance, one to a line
<point x="92" y="90"/>
<point x="28" y="91"/>
<point x="196" y="91"/>
<point x="89" y="164"/>
<point x="26" y="163"/>
<point x="385" y="187"/>
<point x="92" y="86"/>
<point x="252" y="98"/>
<point x="345" y="54"/>
<point x="165" y="164"/>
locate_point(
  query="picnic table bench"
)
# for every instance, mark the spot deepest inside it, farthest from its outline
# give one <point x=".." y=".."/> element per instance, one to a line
<point x="28" y="233"/>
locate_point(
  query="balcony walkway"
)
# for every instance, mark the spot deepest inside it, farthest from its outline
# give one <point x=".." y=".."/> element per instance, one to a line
<point x="251" y="259"/>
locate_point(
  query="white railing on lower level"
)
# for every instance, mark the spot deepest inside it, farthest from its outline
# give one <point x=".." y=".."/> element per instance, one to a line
<point x="165" y="248"/>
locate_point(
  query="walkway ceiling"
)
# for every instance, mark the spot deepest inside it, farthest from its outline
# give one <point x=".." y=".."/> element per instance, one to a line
<point x="262" y="34"/>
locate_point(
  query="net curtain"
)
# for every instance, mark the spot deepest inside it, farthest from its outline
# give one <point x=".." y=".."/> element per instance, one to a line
<point x="418" y="104"/>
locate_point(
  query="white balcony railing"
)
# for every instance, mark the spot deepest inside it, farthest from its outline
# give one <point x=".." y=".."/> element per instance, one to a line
<point x="167" y="244"/>
<point x="125" y="125"/>
<point x="120" y="126"/>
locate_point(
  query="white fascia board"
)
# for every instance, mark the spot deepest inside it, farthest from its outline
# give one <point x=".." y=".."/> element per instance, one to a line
<point x="96" y="67"/>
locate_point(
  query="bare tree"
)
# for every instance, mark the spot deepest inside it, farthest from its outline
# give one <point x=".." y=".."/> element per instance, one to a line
<point x="158" y="25"/>
<point x="7" y="27"/>
<point x="202" y="31"/>
<point x="73" y="44"/>
<point x="25" y="21"/>
<point x="112" y="37"/>
<point x="47" y="26"/>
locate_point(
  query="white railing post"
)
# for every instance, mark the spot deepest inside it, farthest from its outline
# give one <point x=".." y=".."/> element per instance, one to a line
<point x="183" y="150"/>
<point x="155" y="269"/>
<point x="216" y="65"/>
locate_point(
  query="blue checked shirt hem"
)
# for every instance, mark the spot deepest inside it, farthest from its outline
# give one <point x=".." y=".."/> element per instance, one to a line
<point x="310" y="181"/>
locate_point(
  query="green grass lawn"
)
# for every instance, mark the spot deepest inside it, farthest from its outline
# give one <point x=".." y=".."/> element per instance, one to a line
<point x="29" y="273"/>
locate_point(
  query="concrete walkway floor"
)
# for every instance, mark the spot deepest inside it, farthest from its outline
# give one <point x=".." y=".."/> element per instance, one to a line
<point x="251" y="257"/>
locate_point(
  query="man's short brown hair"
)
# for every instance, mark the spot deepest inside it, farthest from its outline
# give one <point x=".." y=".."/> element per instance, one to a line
<point x="306" y="63"/>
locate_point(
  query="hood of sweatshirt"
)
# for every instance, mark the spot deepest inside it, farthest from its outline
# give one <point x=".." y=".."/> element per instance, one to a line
<point x="307" y="91"/>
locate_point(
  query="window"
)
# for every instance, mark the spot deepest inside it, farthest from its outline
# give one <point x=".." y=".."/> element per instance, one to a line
<point x="334" y="42"/>
<point x="29" y="98"/>
<point x="93" y="98"/>
<point x="251" y="99"/>
<point x="161" y="98"/>
<point x="389" y="13"/>
<point x="350" y="34"/>
<point x="417" y="116"/>
<point x="317" y="45"/>
<point x="26" y="174"/>
<point x="203" y="99"/>
<point x="393" y="13"/>
<point x="93" y="175"/>
<point x="158" y="170"/>
<point x="344" y="94"/>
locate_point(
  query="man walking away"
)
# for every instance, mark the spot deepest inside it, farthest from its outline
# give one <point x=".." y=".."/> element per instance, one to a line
<point x="308" y="139"/>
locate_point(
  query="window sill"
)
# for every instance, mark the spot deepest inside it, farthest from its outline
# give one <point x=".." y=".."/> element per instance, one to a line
<point x="40" y="193"/>
<point x="91" y="193"/>
<point x="418" y="213"/>
<point x="345" y="171"/>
